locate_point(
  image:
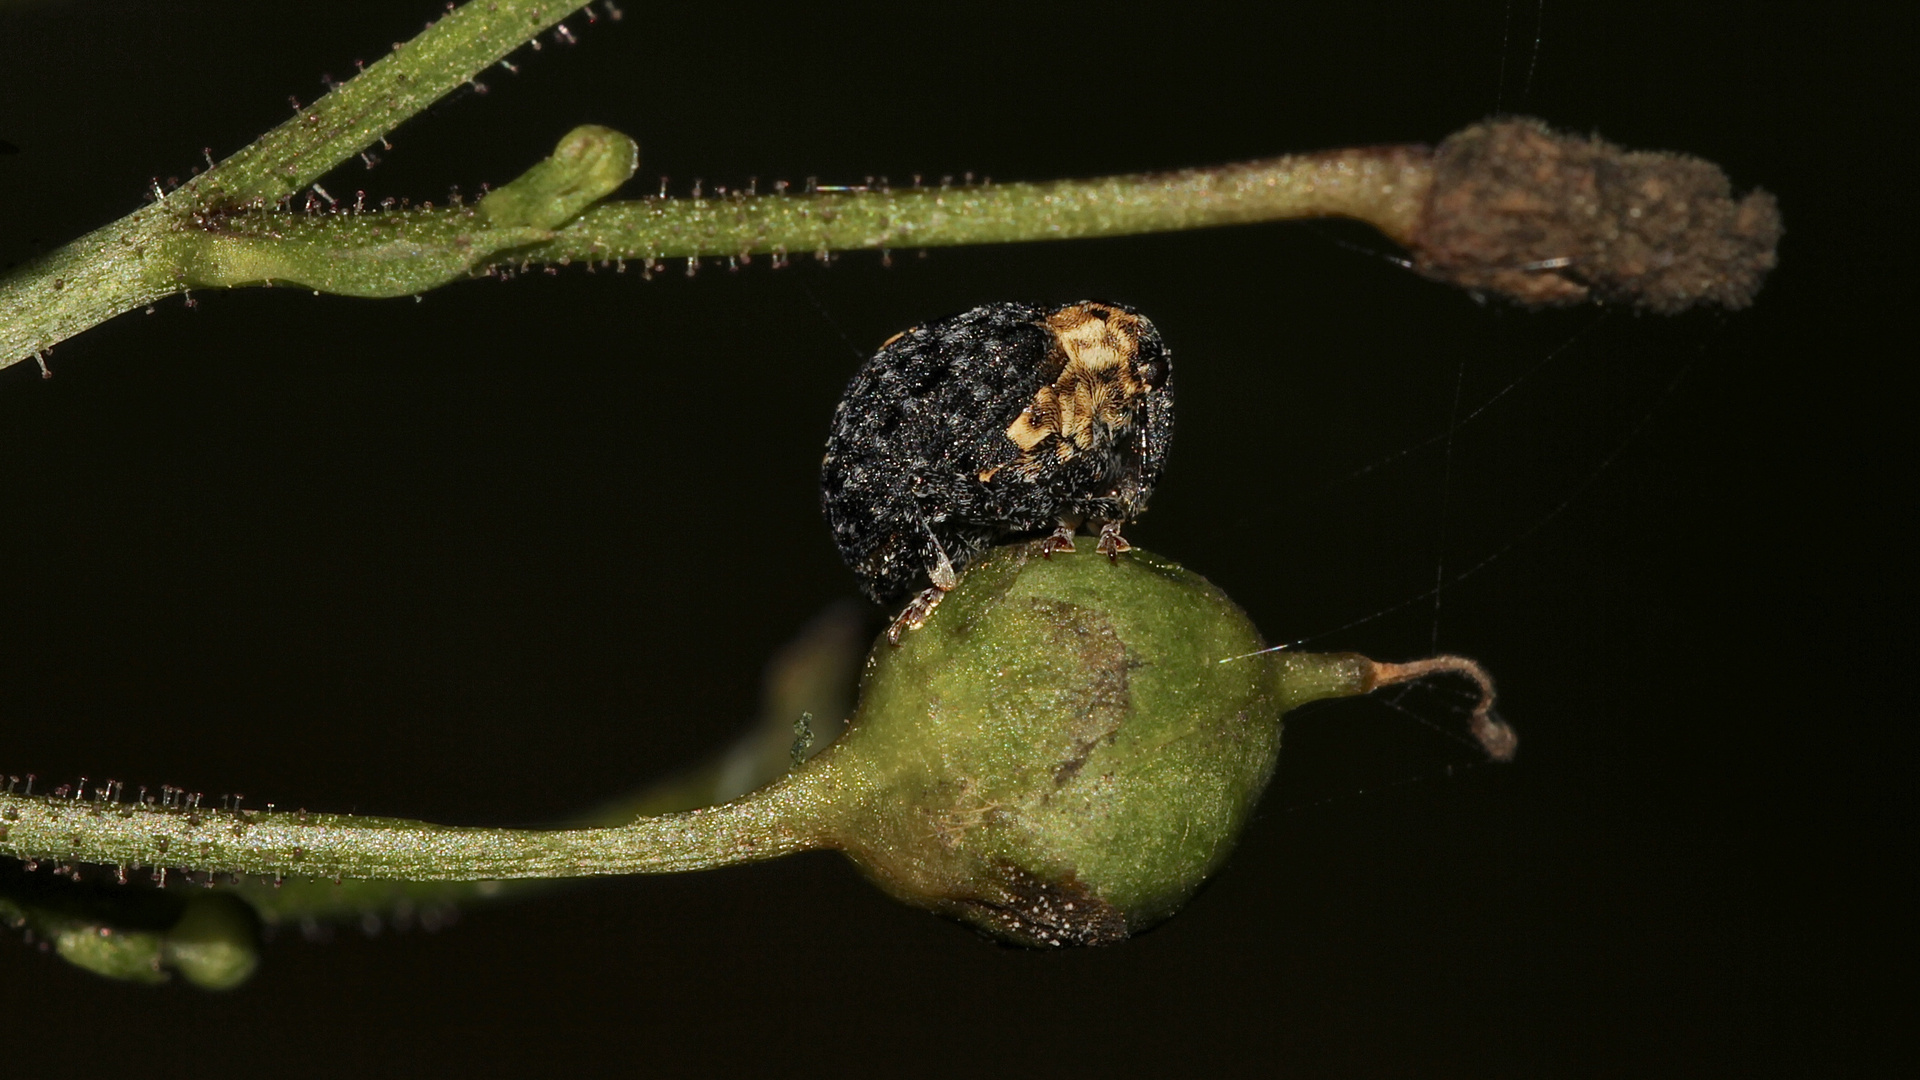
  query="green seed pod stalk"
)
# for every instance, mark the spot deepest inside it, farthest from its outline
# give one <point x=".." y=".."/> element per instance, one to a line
<point x="1062" y="753"/>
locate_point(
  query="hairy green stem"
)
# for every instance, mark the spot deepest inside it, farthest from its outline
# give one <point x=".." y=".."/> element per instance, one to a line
<point x="399" y="253"/>
<point x="1385" y="186"/>
<point x="782" y="818"/>
<point x="813" y="675"/>
<point x="356" y="113"/>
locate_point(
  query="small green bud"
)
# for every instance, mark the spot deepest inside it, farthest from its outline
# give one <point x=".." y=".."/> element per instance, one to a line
<point x="214" y="945"/>
<point x="590" y="163"/>
<point x="131" y="955"/>
<point x="1060" y="756"/>
<point x="211" y="942"/>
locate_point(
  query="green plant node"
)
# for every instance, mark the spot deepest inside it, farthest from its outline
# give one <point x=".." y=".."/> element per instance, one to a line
<point x="404" y="252"/>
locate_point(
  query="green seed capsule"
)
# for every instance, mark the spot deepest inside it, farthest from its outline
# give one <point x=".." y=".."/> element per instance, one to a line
<point x="1059" y="756"/>
<point x="213" y="946"/>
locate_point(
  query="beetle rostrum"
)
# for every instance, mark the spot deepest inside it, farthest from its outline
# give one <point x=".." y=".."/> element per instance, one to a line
<point x="1009" y="419"/>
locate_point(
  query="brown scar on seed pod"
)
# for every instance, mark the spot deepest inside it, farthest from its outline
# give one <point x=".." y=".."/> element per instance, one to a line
<point x="1545" y="218"/>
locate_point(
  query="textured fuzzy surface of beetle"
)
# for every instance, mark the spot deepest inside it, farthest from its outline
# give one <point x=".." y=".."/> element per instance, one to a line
<point x="1007" y="419"/>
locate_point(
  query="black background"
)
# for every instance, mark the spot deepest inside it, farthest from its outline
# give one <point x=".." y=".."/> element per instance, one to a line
<point x="492" y="557"/>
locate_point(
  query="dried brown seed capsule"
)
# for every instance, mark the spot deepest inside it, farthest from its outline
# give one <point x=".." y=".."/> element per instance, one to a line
<point x="1543" y="217"/>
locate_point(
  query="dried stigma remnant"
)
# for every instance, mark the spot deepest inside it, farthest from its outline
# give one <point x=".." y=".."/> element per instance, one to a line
<point x="1009" y="419"/>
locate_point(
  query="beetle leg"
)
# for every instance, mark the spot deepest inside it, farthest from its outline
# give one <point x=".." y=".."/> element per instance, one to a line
<point x="1061" y="540"/>
<point x="944" y="577"/>
<point x="915" y="613"/>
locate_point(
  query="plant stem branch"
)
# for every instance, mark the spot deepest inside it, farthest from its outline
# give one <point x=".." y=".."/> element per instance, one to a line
<point x="776" y="820"/>
<point x="154" y="253"/>
<point x="1384" y="186"/>
<point x="356" y="113"/>
<point x="146" y="255"/>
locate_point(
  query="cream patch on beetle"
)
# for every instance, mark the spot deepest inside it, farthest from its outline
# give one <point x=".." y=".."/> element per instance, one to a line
<point x="1095" y="338"/>
<point x="1094" y="347"/>
<point x="1039" y="421"/>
